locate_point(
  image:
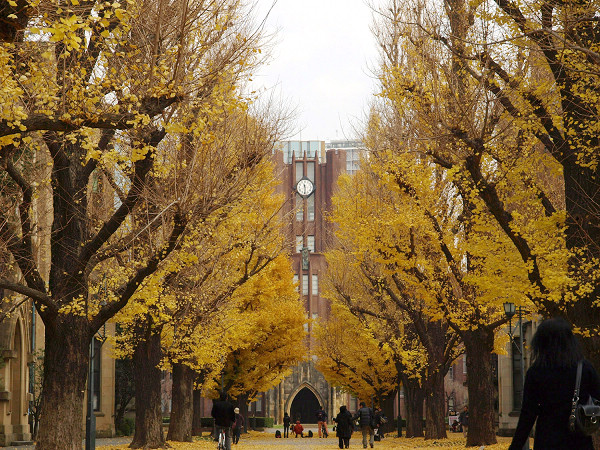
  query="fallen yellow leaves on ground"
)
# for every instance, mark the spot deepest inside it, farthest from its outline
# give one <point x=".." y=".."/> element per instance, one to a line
<point x="261" y="441"/>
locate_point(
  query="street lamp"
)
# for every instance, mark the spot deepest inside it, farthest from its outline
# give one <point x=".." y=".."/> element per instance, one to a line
<point x="509" y="311"/>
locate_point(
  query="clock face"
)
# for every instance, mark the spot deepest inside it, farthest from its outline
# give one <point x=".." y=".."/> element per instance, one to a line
<point x="304" y="187"/>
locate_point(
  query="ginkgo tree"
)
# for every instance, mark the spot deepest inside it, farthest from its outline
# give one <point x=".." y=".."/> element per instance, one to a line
<point x="423" y="249"/>
<point x="234" y="234"/>
<point x="350" y="357"/>
<point x="505" y="95"/>
<point x="265" y="337"/>
<point x="91" y="91"/>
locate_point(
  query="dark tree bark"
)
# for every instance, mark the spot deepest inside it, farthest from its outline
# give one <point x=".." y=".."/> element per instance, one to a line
<point x="414" y="396"/>
<point x="182" y="413"/>
<point x="148" y="416"/>
<point x="66" y="360"/>
<point x="197" y="413"/>
<point x="479" y="344"/>
<point x="243" y="405"/>
<point x="435" y="407"/>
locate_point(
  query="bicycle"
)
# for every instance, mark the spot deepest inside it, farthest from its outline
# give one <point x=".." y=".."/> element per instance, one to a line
<point x="221" y="445"/>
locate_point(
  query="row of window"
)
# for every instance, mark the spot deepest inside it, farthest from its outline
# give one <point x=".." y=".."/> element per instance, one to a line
<point x="315" y="284"/>
<point x="298" y="149"/>
<point x="310" y="243"/>
<point x="310" y="206"/>
<point x="310" y="171"/>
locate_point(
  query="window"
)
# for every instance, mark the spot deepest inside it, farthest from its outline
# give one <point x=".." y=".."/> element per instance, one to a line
<point x="96" y="375"/>
<point x="304" y="284"/>
<point x="259" y="404"/>
<point x="451" y="373"/>
<point x="310" y="171"/>
<point x="464" y="364"/>
<point x="315" y="284"/>
<point x="310" y="243"/>
<point x="299" y="244"/>
<point x="517" y="377"/>
<point x="315" y="316"/>
<point x="299" y="207"/>
<point x="451" y="404"/>
<point x="352" y="160"/>
<point x="295" y="148"/>
<point x="296" y="281"/>
<point x="315" y="149"/>
<point x="299" y="171"/>
<point x="311" y="207"/>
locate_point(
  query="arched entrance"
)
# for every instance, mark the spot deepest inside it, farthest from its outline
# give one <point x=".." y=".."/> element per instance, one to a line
<point x="304" y="406"/>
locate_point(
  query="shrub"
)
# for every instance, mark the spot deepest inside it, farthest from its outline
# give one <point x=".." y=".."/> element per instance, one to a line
<point x="127" y="427"/>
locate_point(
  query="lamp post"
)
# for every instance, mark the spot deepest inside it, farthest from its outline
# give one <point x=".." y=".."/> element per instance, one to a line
<point x="509" y="311"/>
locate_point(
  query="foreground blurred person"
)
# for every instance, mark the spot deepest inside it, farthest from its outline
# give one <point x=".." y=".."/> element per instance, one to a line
<point x="224" y="416"/>
<point x="549" y="386"/>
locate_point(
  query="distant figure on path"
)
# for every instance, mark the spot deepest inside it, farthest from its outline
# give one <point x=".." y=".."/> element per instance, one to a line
<point x="549" y="386"/>
<point x="365" y="417"/>
<point x="286" y="425"/>
<point x="463" y="418"/>
<point x="344" y="427"/>
<point x="224" y="415"/>
<point x="322" y="421"/>
<point x="237" y="426"/>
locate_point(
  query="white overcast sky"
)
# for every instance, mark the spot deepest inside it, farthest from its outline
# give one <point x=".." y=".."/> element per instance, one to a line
<point x="321" y="64"/>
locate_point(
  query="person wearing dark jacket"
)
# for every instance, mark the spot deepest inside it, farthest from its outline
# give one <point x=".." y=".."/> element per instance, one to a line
<point x="365" y="416"/>
<point x="344" y="427"/>
<point x="549" y="386"/>
<point x="224" y="416"/>
<point x="463" y="419"/>
<point x="286" y="425"/>
<point x="237" y="426"/>
<point x="322" y="422"/>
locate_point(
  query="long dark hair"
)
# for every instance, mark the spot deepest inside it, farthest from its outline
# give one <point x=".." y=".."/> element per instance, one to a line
<point x="555" y="345"/>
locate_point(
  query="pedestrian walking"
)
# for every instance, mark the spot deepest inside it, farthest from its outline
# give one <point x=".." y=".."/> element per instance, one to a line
<point x="463" y="419"/>
<point x="286" y="425"/>
<point x="322" y="422"/>
<point x="224" y="416"/>
<point x="365" y="418"/>
<point x="549" y="386"/>
<point x="237" y="426"/>
<point x="344" y="427"/>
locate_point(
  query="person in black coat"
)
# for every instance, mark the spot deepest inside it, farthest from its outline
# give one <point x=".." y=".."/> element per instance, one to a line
<point x="549" y="386"/>
<point x="286" y="425"/>
<point x="224" y="416"/>
<point x="365" y="420"/>
<point x="344" y="427"/>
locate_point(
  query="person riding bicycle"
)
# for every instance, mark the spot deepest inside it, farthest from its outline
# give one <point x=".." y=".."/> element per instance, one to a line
<point x="224" y="416"/>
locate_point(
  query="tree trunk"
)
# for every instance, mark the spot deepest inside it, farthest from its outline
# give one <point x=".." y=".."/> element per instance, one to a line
<point x="413" y="399"/>
<point x="243" y="405"/>
<point x="182" y="411"/>
<point x="479" y="344"/>
<point x="197" y="415"/>
<point x="435" y="407"/>
<point x="148" y="416"/>
<point x="66" y="360"/>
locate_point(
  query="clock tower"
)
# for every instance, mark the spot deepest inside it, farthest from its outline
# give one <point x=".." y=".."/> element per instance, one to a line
<point x="309" y="171"/>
